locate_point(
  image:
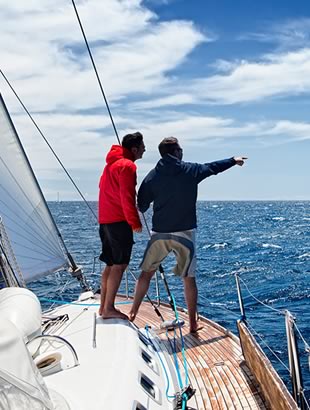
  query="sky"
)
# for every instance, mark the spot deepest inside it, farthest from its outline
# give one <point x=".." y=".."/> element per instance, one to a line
<point x="227" y="78"/>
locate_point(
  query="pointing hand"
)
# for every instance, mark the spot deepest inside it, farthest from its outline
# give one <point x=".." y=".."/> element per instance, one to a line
<point x="240" y="160"/>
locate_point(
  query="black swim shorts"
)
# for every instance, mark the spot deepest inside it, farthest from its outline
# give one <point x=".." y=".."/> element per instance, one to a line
<point x="117" y="241"/>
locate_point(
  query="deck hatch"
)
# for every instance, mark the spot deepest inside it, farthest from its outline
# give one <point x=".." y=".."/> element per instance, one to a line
<point x="140" y="407"/>
<point x="148" y="386"/>
<point x="143" y="339"/>
<point x="147" y="358"/>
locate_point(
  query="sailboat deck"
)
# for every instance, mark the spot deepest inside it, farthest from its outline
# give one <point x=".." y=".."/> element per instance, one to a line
<point x="216" y="367"/>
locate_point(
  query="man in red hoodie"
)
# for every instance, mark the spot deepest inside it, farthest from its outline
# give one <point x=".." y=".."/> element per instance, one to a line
<point x="118" y="217"/>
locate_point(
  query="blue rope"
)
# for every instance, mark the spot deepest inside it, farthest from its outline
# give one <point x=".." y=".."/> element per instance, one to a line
<point x="175" y="357"/>
<point x="163" y="366"/>
<point x="182" y="342"/>
<point x="64" y="302"/>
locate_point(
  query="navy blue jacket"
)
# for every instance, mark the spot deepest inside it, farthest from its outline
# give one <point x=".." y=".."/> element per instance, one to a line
<point x="172" y="186"/>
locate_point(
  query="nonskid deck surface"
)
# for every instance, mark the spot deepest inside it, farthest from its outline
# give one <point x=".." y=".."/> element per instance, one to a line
<point x="215" y="363"/>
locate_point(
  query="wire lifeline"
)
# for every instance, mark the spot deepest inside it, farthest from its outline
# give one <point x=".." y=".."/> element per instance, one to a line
<point x="280" y="312"/>
<point x="219" y="306"/>
<point x="268" y="347"/>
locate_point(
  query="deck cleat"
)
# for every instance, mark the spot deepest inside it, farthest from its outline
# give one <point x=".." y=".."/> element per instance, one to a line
<point x="172" y="324"/>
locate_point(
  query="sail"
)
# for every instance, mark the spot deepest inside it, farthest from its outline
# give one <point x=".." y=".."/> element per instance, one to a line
<point x="30" y="228"/>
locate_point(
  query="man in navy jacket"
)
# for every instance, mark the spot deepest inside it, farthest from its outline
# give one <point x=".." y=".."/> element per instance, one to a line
<point x="172" y="186"/>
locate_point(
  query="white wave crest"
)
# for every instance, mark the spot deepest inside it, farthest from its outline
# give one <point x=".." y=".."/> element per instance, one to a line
<point x="304" y="255"/>
<point x="271" y="245"/>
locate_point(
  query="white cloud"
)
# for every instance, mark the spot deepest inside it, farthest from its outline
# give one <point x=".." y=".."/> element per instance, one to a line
<point x="47" y="62"/>
<point x="286" y="35"/>
<point x="275" y="75"/>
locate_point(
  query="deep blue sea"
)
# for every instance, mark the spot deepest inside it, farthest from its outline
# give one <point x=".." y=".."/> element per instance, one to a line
<point x="267" y="242"/>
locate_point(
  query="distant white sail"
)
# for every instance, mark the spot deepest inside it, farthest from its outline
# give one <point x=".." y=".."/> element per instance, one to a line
<point x="29" y="225"/>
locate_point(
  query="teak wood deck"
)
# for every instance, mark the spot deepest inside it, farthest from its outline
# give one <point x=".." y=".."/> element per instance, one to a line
<point x="216" y="366"/>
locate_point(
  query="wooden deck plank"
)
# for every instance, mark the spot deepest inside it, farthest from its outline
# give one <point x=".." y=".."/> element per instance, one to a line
<point x="209" y="373"/>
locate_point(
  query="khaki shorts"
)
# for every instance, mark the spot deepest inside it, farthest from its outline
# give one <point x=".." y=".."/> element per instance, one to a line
<point x="182" y="244"/>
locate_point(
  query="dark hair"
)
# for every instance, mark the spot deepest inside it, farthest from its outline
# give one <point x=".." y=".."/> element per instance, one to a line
<point x="168" y="146"/>
<point x="132" y="140"/>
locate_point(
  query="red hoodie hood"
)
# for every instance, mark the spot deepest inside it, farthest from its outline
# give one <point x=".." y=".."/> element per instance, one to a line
<point x="118" y="152"/>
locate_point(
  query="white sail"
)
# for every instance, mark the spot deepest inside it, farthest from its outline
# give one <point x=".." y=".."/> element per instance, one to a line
<point x="29" y="225"/>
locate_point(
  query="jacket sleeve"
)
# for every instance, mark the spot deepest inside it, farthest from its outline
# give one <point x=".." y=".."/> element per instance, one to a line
<point x="145" y="196"/>
<point x="202" y="171"/>
<point x="128" y="182"/>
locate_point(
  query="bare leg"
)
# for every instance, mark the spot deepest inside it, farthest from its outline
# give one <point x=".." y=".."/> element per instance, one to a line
<point x="191" y="295"/>
<point x="142" y="287"/>
<point x="113" y="282"/>
<point x="104" y="277"/>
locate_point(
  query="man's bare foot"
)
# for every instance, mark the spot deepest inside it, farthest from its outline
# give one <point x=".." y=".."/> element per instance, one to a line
<point x="113" y="314"/>
<point x="101" y="310"/>
<point x="195" y="329"/>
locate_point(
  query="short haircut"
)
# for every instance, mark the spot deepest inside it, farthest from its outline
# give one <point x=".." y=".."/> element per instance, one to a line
<point x="132" y="140"/>
<point x="168" y="146"/>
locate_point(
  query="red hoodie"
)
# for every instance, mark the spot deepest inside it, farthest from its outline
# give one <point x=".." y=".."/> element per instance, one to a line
<point x="117" y="189"/>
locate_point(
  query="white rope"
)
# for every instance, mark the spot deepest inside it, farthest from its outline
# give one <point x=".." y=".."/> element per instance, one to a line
<point x="280" y="312"/>
<point x="269" y="348"/>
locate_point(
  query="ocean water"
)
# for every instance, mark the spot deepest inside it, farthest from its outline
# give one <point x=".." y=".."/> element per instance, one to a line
<point x="268" y="243"/>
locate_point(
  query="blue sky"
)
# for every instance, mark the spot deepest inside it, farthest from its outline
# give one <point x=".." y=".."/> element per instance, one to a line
<point x="227" y="78"/>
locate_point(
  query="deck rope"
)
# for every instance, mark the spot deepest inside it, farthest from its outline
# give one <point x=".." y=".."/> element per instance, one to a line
<point x="162" y="363"/>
